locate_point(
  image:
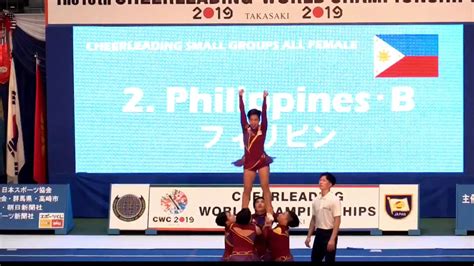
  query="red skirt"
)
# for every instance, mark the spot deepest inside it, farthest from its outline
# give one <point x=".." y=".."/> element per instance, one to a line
<point x="263" y="161"/>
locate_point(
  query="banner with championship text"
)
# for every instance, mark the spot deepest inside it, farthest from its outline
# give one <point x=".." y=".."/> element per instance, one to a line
<point x="192" y="208"/>
<point x="195" y="208"/>
<point x="257" y="11"/>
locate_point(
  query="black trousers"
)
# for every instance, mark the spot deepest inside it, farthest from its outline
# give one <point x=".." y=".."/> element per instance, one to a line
<point x="320" y="247"/>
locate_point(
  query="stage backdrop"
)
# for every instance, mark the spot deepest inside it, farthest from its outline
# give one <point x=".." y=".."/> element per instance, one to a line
<point x="159" y="104"/>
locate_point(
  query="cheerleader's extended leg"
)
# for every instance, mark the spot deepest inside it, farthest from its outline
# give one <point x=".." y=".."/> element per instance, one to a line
<point x="249" y="178"/>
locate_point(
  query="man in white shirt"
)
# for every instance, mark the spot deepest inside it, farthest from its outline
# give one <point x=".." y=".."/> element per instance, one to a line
<point x="325" y="220"/>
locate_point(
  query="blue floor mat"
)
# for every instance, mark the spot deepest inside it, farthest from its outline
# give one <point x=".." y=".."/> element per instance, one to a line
<point x="215" y="254"/>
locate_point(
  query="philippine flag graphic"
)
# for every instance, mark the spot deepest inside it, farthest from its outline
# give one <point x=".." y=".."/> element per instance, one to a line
<point x="406" y="56"/>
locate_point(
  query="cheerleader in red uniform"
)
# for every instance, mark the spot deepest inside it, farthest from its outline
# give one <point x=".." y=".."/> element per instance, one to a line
<point x="278" y="238"/>
<point x="255" y="160"/>
<point x="243" y="234"/>
<point x="226" y="219"/>
<point x="261" y="245"/>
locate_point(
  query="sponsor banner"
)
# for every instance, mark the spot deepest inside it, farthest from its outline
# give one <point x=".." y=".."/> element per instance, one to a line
<point x="257" y="11"/>
<point x="129" y="206"/>
<point x="36" y="207"/>
<point x="398" y="207"/>
<point x="464" y="207"/>
<point x="51" y="220"/>
<point x="195" y="208"/>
